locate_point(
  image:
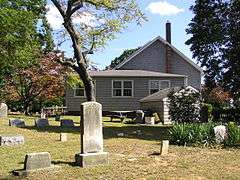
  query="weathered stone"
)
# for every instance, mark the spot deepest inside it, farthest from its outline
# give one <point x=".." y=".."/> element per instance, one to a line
<point x="220" y="133"/>
<point x="91" y="136"/>
<point x="91" y="159"/>
<point x="164" y="147"/>
<point x="66" y="123"/>
<point x="17" y="122"/>
<point x="41" y="122"/>
<point x="3" y="110"/>
<point x="34" y="161"/>
<point x="63" y="137"/>
<point x="120" y="134"/>
<point x="11" y="140"/>
<point x="149" y="120"/>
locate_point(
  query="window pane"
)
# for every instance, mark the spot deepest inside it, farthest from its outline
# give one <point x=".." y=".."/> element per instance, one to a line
<point x="79" y="92"/>
<point x="117" y="92"/>
<point x="127" y="84"/>
<point x="127" y="92"/>
<point x="152" y="91"/>
<point x="117" y="84"/>
<point x="154" y="84"/>
<point x="165" y="84"/>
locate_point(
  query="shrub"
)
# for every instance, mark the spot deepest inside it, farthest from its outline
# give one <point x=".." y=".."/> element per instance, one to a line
<point x="206" y="112"/>
<point x="233" y="138"/>
<point x="184" y="106"/>
<point x="192" y="134"/>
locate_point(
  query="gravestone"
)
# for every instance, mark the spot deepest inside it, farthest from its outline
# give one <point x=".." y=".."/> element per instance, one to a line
<point x="220" y="133"/>
<point x="11" y="140"/>
<point x="41" y="122"/>
<point x="3" y="110"/>
<point x="35" y="162"/>
<point x="17" y="122"/>
<point x="164" y="147"/>
<point x="66" y="123"/>
<point x="91" y="136"/>
<point x="63" y="137"/>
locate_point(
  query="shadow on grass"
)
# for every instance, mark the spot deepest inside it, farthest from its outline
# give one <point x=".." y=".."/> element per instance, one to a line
<point x="64" y="162"/>
<point x="130" y="131"/>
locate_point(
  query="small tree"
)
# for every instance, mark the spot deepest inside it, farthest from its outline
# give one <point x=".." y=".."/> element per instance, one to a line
<point x="110" y="17"/>
<point x="184" y="106"/>
<point x="42" y="81"/>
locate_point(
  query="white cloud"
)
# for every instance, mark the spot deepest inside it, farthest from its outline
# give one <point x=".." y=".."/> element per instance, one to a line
<point x="163" y="8"/>
<point x="55" y="19"/>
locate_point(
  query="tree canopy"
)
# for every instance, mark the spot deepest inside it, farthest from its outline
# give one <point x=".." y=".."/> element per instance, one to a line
<point x="108" y="18"/>
<point x="215" y="42"/>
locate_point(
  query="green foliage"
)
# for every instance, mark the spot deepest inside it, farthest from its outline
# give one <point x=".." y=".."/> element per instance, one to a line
<point x="184" y="106"/>
<point x="73" y="80"/>
<point x="127" y="53"/>
<point x="233" y="138"/>
<point x="192" y="134"/>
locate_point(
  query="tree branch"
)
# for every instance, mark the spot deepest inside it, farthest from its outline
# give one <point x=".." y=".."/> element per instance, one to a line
<point x="58" y="6"/>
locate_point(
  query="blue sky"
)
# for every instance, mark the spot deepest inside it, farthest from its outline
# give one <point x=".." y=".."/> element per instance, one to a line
<point x="157" y="13"/>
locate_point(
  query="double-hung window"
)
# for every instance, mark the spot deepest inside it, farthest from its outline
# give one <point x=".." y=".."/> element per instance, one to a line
<point x="122" y="88"/>
<point x="156" y="85"/>
<point x="79" y="91"/>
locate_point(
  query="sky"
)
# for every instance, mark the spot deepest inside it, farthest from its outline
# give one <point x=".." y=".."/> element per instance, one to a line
<point x="158" y="12"/>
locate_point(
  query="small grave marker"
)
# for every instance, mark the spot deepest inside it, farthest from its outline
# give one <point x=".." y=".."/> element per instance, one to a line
<point x="17" y="122"/>
<point x="41" y="122"/>
<point x="164" y="147"/>
<point x="66" y="123"/>
<point x="3" y="110"/>
<point x="11" y="140"/>
<point x="63" y="137"/>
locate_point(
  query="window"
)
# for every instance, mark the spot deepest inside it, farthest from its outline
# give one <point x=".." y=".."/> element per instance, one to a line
<point x="156" y="85"/>
<point x="79" y="91"/>
<point x="122" y="88"/>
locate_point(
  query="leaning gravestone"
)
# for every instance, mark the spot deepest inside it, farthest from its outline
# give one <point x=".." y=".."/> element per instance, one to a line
<point x="35" y="162"/>
<point x="41" y="122"/>
<point x="66" y="123"/>
<point x="11" y="140"/>
<point x="91" y="136"/>
<point x="17" y="122"/>
<point x="3" y="110"/>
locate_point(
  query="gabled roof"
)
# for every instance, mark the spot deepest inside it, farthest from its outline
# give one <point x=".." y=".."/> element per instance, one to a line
<point x="131" y="73"/>
<point x="164" y="42"/>
<point x="160" y="95"/>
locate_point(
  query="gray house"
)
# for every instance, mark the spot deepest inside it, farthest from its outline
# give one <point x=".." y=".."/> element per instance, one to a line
<point x="155" y="66"/>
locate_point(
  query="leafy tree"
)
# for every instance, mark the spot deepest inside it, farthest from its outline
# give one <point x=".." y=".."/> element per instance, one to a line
<point x="21" y="41"/>
<point x="42" y="81"/>
<point x="127" y="53"/>
<point x="215" y="43"/>
<point x="184" y="106"/>
<point x="109" y="17"/>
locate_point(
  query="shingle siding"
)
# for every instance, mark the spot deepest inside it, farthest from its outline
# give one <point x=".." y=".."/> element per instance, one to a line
<point x="153" y="58"/>
<point x="109" y="103"/>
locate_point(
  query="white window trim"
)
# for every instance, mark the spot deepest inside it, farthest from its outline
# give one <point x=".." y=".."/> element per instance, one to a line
<point x="159" y="88"/>
<point x="122" y="88"/>
<point x="95" y="86"/>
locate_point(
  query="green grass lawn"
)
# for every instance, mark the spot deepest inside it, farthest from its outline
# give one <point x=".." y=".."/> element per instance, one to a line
<point x="133" y="156"/>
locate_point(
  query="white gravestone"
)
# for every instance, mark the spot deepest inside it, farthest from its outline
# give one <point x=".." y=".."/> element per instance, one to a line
<point x="220" y="133"/>
<point x="3" y="110"/>
<point x="91" y="136"/>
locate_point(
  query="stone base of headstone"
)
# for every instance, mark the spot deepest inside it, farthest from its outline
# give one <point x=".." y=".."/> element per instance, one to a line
<point x="164" y="147"/>
<point x="91" y="159"/>
<point x="36" y="162"/>
<point x="149" y="120"/>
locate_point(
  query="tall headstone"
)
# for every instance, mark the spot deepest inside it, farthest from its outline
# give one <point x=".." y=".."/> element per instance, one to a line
<point x="91" y="136"/>
<point x="3" y="110"/>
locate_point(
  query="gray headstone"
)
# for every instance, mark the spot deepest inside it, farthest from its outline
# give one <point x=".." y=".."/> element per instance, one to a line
<point x="164" y="147"/>
<point x="11" y="140"/>
<point x="17" y="122"/>
<point x="41" y="122"/>
<point x="220" y="133"/>
<point x="91" y="136"/>
<point x="3" y="110"/>
<point x="67" y="123"/>
<point x="35" y="161"/>
<point x="91" y="124"/>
